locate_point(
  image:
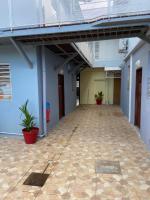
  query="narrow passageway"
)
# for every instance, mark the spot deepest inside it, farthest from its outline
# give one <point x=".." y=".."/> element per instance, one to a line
<point x="89" y="135"/>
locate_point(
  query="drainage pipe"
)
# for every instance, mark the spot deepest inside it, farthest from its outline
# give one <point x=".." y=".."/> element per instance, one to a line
<point x="44" y="92"/>
<point x="130" y="87"/>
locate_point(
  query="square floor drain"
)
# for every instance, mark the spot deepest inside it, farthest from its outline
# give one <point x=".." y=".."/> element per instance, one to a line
<point x="107" y="167"/>
<point x="36" y="179"/>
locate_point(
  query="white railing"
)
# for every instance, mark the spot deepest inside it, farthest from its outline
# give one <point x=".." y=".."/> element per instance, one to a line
<point x="24" y="13"/>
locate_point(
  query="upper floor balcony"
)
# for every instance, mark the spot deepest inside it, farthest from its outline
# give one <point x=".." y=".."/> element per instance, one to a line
<point x="17" y="14"/>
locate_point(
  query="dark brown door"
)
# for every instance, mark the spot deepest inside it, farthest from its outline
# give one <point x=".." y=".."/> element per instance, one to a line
<point x="61" y="95"/>
<point x="138" y="93"/>
<point x="117" y="88"/>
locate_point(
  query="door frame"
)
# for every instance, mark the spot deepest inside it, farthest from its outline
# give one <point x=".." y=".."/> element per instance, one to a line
<point x="137" y="122"/>
<point x="63" y="90"/>
<point x="114" y="91"/>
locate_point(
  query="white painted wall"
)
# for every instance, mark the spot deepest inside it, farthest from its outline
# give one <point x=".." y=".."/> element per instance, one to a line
<point x="132" y="42"/>
<point x="109" y="55"/>
<point x="93" y="81"/>
<point x="87" y="49"/>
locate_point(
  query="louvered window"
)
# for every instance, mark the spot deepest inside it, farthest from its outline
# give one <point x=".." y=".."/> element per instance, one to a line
<point x="97" y="47"/>
<point x="5" y="82"/>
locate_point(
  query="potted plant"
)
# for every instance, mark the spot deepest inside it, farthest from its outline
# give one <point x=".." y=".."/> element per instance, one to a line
<point x="30" y="132"/>
<point x="99" y="98"/>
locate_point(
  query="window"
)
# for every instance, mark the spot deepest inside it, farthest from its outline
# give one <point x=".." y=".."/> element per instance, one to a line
<point x="97" y="47"/>
<point x="5" y="82"/>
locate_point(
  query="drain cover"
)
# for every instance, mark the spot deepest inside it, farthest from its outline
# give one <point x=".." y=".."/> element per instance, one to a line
<point x="36" y="179"/>
<point x="107" y="167"/>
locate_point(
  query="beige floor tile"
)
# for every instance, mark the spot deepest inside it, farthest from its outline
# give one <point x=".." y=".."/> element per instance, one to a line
<point x="88" y="134"/>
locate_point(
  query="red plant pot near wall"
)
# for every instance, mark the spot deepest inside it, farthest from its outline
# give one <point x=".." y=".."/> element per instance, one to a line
<point x="30" y="137"/>
<point x="98" y="102"/>
<point x="35" y="130"/>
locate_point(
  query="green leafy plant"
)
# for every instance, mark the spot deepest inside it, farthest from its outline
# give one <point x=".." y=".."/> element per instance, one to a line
<point x="99" y="96"/>
<point x="28" y="120"/>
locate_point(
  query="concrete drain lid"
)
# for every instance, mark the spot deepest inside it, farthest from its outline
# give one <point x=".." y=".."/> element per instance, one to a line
<point x="107" y="167"/>
<point x="36" y="179"/>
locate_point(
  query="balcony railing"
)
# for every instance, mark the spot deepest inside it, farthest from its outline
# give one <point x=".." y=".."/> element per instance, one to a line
<point x="30" y="13"/>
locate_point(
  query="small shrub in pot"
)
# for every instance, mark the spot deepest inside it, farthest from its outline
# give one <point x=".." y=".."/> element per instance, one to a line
<point x="30" y="132"/>
<point x="99" y="98"/>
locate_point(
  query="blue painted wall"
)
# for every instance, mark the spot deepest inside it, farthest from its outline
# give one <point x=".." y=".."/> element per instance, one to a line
<point x="142" y="55"/>
<point x="24" y="86"/>
<point x="28" y="84"/>
<point x="70" y="90"/>
<point x="51" y="61"/>
<point x="125" y="89"/>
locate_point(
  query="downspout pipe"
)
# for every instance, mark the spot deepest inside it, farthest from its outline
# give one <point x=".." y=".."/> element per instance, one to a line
<point x="130" y="88"/>
<point x="44" y="92"/>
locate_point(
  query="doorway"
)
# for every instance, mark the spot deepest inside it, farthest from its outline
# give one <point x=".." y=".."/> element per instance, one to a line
<point x="78" y="90"/>
<point x="138" y="93"/>
<point x="117" y="88"/>
<point x="61" y="95"/>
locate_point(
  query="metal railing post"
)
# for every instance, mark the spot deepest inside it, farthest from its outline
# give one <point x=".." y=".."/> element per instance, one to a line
<point x="109" y="8"/>
<point x="58" y="12"/>
<point x="10" y="14"/>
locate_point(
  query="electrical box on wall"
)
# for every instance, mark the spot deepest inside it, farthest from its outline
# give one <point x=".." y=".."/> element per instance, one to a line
<point x="123" y="45"/>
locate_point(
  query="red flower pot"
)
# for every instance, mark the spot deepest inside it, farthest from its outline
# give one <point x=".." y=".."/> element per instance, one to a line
<point x="98" y="102"/>
<point x="35" y="130"/>
<point x="30" y="137"/>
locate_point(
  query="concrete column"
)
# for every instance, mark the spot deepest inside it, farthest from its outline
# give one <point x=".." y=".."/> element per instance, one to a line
<point x="130" y="87"/>
<point x="44" y="90"/>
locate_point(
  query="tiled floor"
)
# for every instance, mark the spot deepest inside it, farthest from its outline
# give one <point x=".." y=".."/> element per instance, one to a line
<point x="89" y="134"/>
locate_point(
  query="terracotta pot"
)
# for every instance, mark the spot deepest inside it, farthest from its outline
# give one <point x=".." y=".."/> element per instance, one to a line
<point x="30" y="137"/>
<point x="98" y="102"/>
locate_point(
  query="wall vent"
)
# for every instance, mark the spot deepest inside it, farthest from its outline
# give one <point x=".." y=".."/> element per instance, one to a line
<point x="5" y="82"/>
<point x="123" y="45"/>
<point x="97" y="50"/>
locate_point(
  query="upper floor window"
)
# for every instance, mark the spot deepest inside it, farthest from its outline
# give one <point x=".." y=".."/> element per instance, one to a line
<point x="5" y="82"/>
<point x="97" y="50"/>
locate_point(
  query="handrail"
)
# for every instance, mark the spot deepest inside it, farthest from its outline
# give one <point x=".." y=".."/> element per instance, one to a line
<point x="33" y="13"/>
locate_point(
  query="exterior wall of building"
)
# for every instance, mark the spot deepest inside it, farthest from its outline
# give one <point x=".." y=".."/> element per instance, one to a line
<point x="109" y="55"/>
<point x="24" y="86"/>
<point x="132" y="42"/>
<point x="51" y="61"/>
<point x="125" y="89"/>
<point x="141" y="58"/>
<point x="27" y="83"/>
<point x="93" y="81"/>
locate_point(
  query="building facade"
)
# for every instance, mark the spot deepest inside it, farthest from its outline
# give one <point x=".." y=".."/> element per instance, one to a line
<point x="38" y="63"/>
<point x="39" y="85"/>
<point x="135" y="89"/>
